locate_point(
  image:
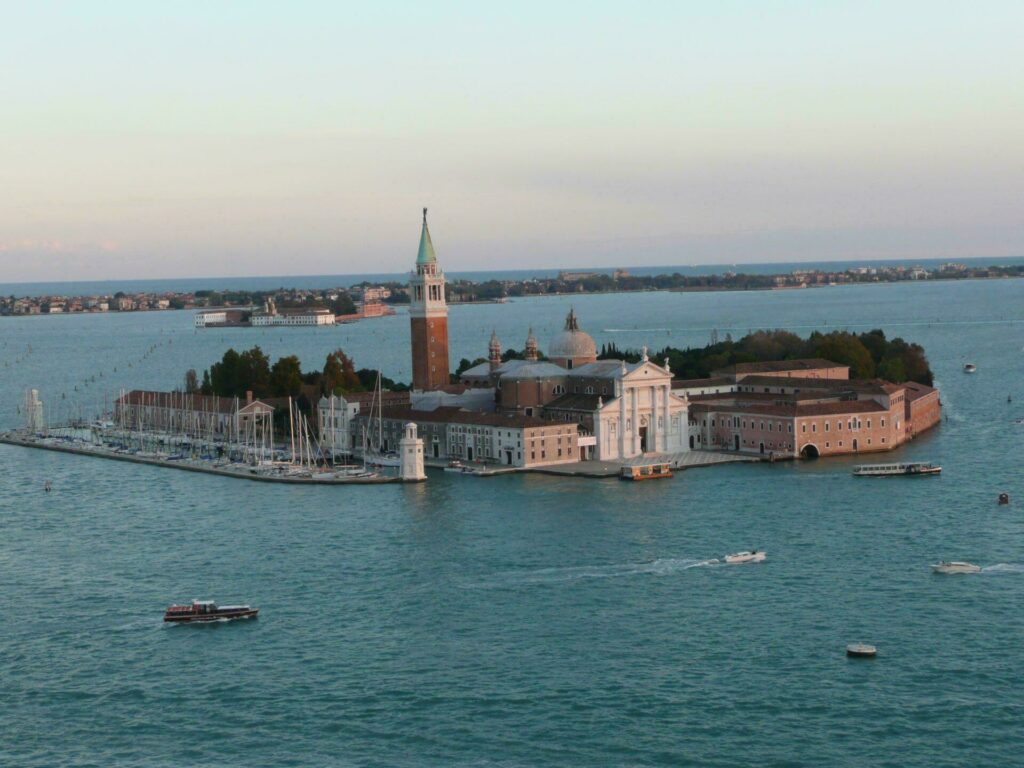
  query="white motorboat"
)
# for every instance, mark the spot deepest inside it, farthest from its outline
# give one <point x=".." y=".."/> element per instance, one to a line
<point x="970" y="368"/>
<point x="861" y="650"/>
<point x="739" y="558"/>
<point x="956" y="566"/>
<point x="383" y="459"/>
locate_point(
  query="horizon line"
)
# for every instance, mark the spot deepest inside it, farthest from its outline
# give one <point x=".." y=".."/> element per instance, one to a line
<point x="723" y="266"/>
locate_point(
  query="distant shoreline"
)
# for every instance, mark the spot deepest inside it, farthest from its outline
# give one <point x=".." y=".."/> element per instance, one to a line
<point x="462" y="292"/>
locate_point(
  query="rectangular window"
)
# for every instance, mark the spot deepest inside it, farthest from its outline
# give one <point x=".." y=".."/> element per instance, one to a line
<point x="814" y="427"/>
<point x="826" y="426"/>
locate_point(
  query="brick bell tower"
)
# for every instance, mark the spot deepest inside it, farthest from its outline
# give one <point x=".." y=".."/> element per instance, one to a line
<point x="428" y="314"/>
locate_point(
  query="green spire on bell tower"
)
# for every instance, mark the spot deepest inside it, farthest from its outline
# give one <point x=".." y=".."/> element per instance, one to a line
<point x="426" y="254"/>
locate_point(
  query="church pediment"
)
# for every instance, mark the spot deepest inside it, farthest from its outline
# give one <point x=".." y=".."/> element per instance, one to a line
<point x="647" y="371"/>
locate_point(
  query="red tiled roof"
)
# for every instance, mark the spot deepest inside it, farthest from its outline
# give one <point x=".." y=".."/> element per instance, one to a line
<point x="770" y="366"/>
<point x="365" y="398"/>
<point x="916" y="391"/>
<point x="792" y="410"/>
<point x="183" y="401"/>
<point x="711" y="382"/>
<point x="843" y="406"/>
<point x="450" y="414"/>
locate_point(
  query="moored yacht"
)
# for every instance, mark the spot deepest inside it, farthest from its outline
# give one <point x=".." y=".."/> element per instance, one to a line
<point x="956" y="566"/>
<point x="207" y="610"/>
<point x="739" y="558"/>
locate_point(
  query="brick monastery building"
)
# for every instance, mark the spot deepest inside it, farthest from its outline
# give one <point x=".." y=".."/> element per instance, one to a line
<point x="805" y="408"/>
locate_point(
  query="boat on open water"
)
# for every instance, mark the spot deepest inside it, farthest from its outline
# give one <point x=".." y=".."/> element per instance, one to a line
<point x="207" y="610"/>
<point x="956" y="566"/>
<point x="740" y="558"/>
<point x="895" y="470"/>
<point x="970" y="368"/>
<point x="861" y="651"/>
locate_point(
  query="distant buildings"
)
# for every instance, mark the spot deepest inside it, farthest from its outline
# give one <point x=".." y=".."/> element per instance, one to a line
<point x="567" y="276"/>
<point x="305" y="316"/>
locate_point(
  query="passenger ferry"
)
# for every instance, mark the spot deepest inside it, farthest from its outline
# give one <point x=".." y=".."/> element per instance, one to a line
<point x="891" y="470"/>
<point x="646" y="472"/>
<point x="207" y="610"/>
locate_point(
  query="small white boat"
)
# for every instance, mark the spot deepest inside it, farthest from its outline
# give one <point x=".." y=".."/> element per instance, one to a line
<point x="970" y="368"/>
<point x="861" y="650"/>
<point x="956" y="566"/>
<point x="739" y="558"/>
<point x="383" y="459"/>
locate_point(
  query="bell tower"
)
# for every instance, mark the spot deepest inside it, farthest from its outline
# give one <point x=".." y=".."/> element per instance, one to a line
<point x="428" y="315"/>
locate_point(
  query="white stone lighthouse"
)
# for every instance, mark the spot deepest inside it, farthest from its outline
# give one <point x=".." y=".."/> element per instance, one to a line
<point x="410" y="451"/>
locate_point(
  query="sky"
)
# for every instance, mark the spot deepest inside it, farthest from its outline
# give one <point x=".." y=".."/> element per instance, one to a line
<point x="146" y="140"/>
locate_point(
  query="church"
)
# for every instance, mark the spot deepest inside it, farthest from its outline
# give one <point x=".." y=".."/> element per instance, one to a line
<point x="620" y="410"/>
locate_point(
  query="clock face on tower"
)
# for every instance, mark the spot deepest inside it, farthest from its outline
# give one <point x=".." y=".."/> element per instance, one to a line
<point x="428" y="315"/>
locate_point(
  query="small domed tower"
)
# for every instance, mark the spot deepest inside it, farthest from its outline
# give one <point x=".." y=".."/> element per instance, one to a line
<point x="572" y="347"/>
<point x="494" y="351"/>
<point x="531" y="352"/>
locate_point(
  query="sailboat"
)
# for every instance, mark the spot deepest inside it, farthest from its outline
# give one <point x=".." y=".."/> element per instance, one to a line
<point x="373" y="452"/>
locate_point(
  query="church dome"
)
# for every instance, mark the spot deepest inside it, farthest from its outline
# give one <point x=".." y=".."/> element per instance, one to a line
<point x="572" y="343"/>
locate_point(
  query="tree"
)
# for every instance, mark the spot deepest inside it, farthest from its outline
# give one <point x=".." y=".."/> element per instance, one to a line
<point x="845" y="348"/>
<point x="340" y="375"/>
<point x="286" y="377"/>
<point x="253" y="373"/>
<point x="224" y="375"/>
<point x="343" y="305"/>
<point x="368" y="378"/>
<point x="892" y="369"/>
<point x="191" y="382"/>
<point x="464" y="365"/>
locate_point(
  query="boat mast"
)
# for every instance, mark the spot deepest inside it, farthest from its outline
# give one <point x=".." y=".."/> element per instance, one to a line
<point x="291" y="429"/>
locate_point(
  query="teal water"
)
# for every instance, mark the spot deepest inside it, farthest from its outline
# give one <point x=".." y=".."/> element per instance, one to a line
<point x="520" y="620"/>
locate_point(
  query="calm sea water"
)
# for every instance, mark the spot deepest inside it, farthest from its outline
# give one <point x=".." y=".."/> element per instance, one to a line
<point x="520" y="620"/>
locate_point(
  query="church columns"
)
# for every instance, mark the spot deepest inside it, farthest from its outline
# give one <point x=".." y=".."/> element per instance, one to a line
<point x="666" y="396"/>
<point x="622" y="423"/>
<point x="635" y="432"/>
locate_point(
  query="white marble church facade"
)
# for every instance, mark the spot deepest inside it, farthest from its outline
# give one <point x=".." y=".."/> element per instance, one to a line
<point x="642" y="415"/>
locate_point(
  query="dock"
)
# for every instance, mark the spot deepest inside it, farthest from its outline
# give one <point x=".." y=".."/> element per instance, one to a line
<point x="677" y="461"/>
<point x="238" y="471"/>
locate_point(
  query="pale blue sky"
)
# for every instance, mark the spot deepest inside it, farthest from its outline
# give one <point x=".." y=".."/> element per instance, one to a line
<point x="211" y="138"/>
